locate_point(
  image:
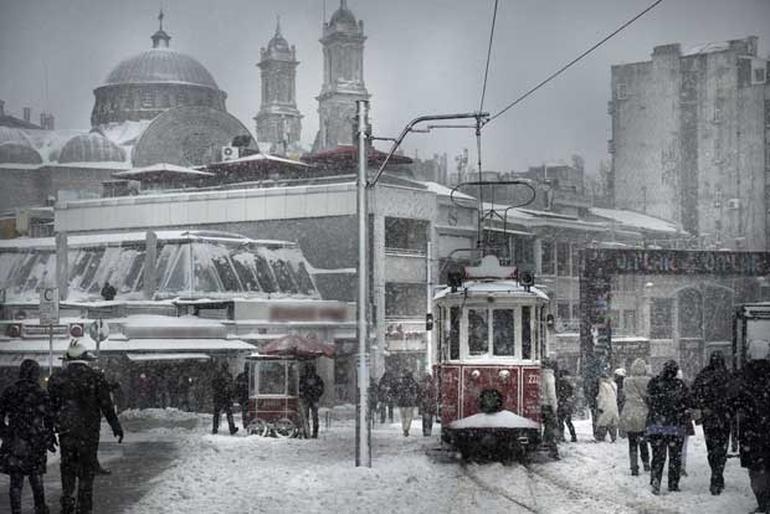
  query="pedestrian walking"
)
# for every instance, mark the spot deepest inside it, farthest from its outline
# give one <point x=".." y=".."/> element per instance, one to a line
<point x="753" y="401"/>
<point x="242" y="394"/>
<point x="222" y="389"/>
<point x="311" y="389"/>
<point x="619" y="377"/>
<point x="385" y="394"/>
<point x="427" y="403"/>
<point x="607" y="409"/>
<point x="689" y="431"/>
<point x="710" y="391"/>
<point x="565" y="395"/>
<point x="26" y="428"/>
<point x="79" y="397"/>
<point x="668" y="400"/>
<point x="549" y="405"/>
<point x="633" y="418"/>
<point x="405" y="396"/>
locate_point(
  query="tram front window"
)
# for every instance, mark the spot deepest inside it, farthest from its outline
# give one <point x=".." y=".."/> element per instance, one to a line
<point x="272" y="377"/>
<point x="454" y="333"/>
<point x="478" y="332"/>
<point x="504" y="338"/>
<point x="526" y="332"/>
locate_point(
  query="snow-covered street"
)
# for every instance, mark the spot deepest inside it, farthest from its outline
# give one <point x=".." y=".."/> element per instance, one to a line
<point x="240" y="474"/>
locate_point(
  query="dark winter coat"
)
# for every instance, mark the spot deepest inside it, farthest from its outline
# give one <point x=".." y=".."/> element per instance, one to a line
<point x="311" y="387"/>
<point x="29" y="431"/>
<point x="242" y="387"/>
<point x="406" y="391"/>
<point x="753" y="400"/>
<point x="222" y="387"/>
<point x="427" y="395"/>
<point x="79" y="397"/>
<point x="385" y="387"/>
<point x="710" y="391"/>
<point x="669" y="400"/>
<point x="565" y="394"/>
<point x="108" y="292"/>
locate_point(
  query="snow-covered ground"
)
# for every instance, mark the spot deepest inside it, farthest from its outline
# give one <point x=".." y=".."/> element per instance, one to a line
<point x="222" y="473"/>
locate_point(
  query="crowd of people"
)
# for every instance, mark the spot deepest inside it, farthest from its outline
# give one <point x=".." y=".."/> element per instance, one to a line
<point x="657" y="415"/>
<point x="401" y="389"/>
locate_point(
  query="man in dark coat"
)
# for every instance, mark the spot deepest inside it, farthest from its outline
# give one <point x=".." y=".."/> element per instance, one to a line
<point x="753" y="402"/>
<point x="242" y="393"/>
<point x="427" y="403"/>
<point x="565" y="395"/>
<point x="710" y="395"/>
<point x="108" y="291"/>
<point x="311" y="388"/>
<point x="385" y="395"/>
<point x="405" y="393"/>
<point x="27" y="436"/>
<point x="669" y="400"/>
<point x="79" y="397"/>
<point x="222" y="388"/>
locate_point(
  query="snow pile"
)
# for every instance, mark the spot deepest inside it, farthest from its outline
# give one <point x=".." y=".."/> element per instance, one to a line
<point x="502" y="419"/>
<point x="136" y="420"/>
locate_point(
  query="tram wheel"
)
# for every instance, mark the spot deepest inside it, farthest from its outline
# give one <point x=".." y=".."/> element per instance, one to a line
<point x="258" y="427"/>
<point x="284" y="428"/>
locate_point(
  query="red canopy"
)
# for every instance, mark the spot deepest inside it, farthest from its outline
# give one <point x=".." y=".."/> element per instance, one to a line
<point x="298" y="346"/>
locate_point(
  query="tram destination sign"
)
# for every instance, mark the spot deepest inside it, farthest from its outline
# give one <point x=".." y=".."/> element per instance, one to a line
<point x="674" y="262"/>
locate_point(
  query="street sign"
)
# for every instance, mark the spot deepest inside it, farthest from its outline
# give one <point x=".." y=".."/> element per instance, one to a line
<point x="99" y="330"/>
<point x="49" y="306"/>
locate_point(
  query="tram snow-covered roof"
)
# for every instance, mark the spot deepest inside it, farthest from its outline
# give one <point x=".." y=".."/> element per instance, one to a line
<point x="496" y="288"/>
<point x="502" y="419"/>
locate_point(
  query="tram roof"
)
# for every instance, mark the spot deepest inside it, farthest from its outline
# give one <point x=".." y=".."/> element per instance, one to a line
<point x="493" y="287"/>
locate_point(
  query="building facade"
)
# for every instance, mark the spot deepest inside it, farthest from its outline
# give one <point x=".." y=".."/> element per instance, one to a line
<point x="279" y="122"/>
<point x="343" y="80"/>
<point x="690" y="141"/>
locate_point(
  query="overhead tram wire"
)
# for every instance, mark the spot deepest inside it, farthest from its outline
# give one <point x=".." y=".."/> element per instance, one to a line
<point x="573" y="61"/>
<point x="480" y="123"/>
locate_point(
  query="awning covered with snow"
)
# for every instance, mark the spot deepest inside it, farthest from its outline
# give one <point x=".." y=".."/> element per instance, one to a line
<point x="14" y="360"/>
<point x="148" y="357"/>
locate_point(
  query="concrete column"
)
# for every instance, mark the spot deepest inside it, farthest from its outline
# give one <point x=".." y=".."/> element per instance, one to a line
<point x="537" y="248"/>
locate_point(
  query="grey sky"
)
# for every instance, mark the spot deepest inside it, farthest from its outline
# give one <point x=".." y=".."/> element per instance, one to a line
<point x="422" y="56"/>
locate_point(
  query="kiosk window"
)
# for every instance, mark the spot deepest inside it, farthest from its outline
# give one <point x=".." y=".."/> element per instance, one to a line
<point x="272" y="377"/>
<point x="478" y="332"/>
<point x="454" y="333"/>
<point x="504" y="339"/>
<point x="526" y="332"/>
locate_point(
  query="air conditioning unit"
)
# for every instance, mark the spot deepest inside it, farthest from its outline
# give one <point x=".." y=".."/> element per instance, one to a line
<point x="734" y="204"/>
<point x="229" y="153"/>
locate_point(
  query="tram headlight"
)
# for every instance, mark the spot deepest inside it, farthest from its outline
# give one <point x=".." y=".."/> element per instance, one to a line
<point x="504" y="375"/>
<point x="475" y="374"/>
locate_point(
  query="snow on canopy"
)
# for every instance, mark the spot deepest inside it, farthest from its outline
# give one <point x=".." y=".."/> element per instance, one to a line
<point x="502" y="419"/>
<point x="189" y="264"/>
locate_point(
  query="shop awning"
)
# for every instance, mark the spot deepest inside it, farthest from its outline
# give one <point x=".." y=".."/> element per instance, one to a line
<point x="145" y="357"/>
<point x="13" y="360"/>
<point x="112" y="347"/>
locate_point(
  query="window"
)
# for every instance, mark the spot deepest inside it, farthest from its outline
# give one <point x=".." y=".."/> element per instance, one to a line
<point x="526" y="332"/>
<point x="575" y="311"/>
<point x="759" y="76"/>
<point x="406" y="234"/>
<point x="562" y="310"/>
<point x="575" y="260"/>
<point x="546" y="258"/>
<point x="265" y="274"/>
<point x="478" y="332"/>
<point x="226" y="273"/>
<point x="245" y="272"/>
<point x="629" y="321"/>
<point x="284" y="276"/>
<point x="148" y="100"/>
<point x="404" y="300"/>
<point x="621" y="91"/>
<point x="504" y="338"/>
<point x="562" y="259"/>
<point x="454" y="333"/>
<point x="272" y="377"/>
<point x="660" y="318"/>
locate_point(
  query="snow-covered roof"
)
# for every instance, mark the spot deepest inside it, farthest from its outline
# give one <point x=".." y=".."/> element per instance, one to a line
<point x="502" y="419"/>
<point x="144" y="357"/>
<point x="443" y="190"/>
<point x="264" y="157"/>
<point x="161" y="168"/>
<point x="706" y="48"/>
<point x="132" y="345"/>
<point x="636" y="220"/>
<point x="509" y="287"/>
<point x="125" y="132"/>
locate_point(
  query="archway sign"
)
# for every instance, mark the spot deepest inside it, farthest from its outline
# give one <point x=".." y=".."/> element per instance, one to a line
<point x="597" y="268"/>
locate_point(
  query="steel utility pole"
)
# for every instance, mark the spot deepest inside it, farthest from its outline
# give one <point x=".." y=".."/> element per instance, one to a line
<point x="363" y="427"/>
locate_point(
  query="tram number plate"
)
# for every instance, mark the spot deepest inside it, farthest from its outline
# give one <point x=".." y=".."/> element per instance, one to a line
<point x="533" y="379"/>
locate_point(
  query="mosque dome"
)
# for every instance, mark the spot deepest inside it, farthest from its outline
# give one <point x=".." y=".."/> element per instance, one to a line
<point x="91" y="147"/>
<point x="19" y="153"/>
<point x="147" y="84"/>
<point x="14" y="135"/>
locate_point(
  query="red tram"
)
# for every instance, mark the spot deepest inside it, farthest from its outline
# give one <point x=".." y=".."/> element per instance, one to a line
<point x="491" y="337"/>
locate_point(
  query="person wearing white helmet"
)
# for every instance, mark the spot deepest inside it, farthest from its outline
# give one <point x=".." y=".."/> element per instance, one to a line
<point x="79" y="397"/>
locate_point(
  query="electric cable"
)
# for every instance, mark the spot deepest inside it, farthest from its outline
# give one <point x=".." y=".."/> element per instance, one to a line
<point x="489" y="54"/>
<point x="574" y="61"/>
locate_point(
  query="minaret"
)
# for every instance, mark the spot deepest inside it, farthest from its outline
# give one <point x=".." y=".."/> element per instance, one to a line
<point x="160" y="36"/>
<point x="343" y="47"/>
<point x="279" y="120"/>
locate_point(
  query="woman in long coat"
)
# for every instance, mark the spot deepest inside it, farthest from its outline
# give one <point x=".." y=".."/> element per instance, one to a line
<point x="633" y="419"/>
<point x="27" y="435"/>
<point x="607" y="409"/>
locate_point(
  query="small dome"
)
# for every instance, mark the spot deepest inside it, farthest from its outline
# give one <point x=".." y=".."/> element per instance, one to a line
<point x="19" y="153"/>
<point x="278" y="44"/>
<point x="14" y="135"/>
<point x="91" y="147"/>
<point x="343" y="16"/>
<point x="161" y="65"/>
